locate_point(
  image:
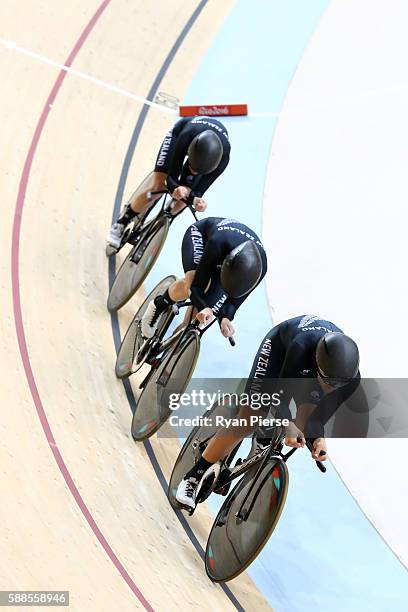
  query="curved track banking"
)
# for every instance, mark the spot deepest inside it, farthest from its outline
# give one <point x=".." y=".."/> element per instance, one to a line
<point x="104" y="530"/>
<point x="18" y="316"/>
<point x="60" y="394"/>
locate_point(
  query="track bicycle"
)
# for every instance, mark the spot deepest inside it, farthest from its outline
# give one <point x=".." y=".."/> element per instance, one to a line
<point x="251" y="510"/>
<point x="171" y="356"/>
<point x="147" y="237"/>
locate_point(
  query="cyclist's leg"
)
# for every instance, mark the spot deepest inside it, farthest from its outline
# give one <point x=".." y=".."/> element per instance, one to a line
<point x="156" y="181"/>
<point x="192" y="248"/>
<point x="191" y="251"/>
<point x="138" y="201"/>
<point x="137" y="205"/>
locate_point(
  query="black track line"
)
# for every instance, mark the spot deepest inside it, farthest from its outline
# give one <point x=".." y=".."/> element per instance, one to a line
<point x="112" y="271"/>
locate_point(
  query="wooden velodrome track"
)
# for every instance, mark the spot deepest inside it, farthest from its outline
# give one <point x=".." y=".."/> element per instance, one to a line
<point x="81" y="505"/>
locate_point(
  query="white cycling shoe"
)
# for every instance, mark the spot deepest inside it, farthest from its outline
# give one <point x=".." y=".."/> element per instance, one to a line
<point x="114" y="237"/>
<point x="187" y="492"/>
<point x="149" y="320"/>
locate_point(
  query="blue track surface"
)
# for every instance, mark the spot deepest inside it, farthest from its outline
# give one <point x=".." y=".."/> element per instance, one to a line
<point x="324" y="555"/>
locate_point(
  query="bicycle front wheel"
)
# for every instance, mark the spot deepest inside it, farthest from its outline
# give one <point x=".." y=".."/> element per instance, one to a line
<point x="234" y="542"/>
<point x="172" y="376"/>
<point x="133" y="339"/>
<point x="137" y="266"/>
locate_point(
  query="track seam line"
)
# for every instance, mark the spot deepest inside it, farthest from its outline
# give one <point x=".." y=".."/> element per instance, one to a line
<point x="18" y="317"/>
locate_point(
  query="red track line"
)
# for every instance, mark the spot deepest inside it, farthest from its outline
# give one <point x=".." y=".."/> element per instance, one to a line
<point x="18" y="318"/>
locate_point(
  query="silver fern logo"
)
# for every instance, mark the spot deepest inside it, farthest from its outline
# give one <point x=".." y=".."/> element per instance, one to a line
<point x="307" y="320"/>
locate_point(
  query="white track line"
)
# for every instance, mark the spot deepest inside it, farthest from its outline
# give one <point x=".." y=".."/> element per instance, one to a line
<point x="356" y="100"/>
<point x="12" y="46"/>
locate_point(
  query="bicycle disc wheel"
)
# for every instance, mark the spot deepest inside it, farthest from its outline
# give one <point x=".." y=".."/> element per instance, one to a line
<point x="133" y="340"/>
<point x="171" y="376"/>
<point x="131" y="275"/>
<point x="190" y="451"/>
<point x="234" y="543"/>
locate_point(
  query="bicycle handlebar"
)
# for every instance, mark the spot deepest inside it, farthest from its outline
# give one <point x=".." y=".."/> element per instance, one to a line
<point x="191" y="207"/>
<point x="319" y="464"/>
<point x="197" y="323"/>
<point x="150" y="195"/>
<point x="230" y="338"/>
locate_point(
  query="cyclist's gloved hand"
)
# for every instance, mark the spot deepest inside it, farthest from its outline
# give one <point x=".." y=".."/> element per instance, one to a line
<point x="205" y="316"/>
<point x="227" y="328"/>
<point x="199" y="204"/>
<point x="319" y="446"/>
<point x="181" y="193"/>
<point x="294" y="437"/>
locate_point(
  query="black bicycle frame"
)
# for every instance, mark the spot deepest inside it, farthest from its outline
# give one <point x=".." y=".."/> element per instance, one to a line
<point x="146" y="233"/>
<point x="274" y="450"/>
<point x="190" y="327"/>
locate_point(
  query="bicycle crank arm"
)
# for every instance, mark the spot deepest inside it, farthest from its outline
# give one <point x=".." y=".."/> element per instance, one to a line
<point x="141" y="355"/>
<point x="241" y="468"/>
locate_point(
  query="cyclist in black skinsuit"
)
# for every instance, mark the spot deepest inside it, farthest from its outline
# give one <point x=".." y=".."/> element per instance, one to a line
<point x="223" y="261"/>
<point x="204" y="142"/>
<point x="317" y="366"/>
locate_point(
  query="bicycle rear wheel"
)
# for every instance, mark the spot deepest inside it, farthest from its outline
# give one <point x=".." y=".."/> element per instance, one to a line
<point x="191" y="452"/>
<point x="171" y="376"/>
<point x="234" y="543"/>
<point x="133" y="339"/>
<point x="131" y="275"/>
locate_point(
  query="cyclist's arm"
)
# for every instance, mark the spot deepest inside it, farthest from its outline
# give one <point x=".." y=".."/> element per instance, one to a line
<point x="177" y="160"/>
<point x="327" y="407"/>
<point x="203" y="274"/>
<point x="230" y="307"/>
<point x="290" y="382"/>
<point x="303" y="413"/>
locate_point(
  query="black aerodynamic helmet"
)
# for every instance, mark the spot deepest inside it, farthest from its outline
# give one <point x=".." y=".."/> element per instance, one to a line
<point x="205" y="152"/>
<point x="337" y="357"/>
<point x="241" y="269"/>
